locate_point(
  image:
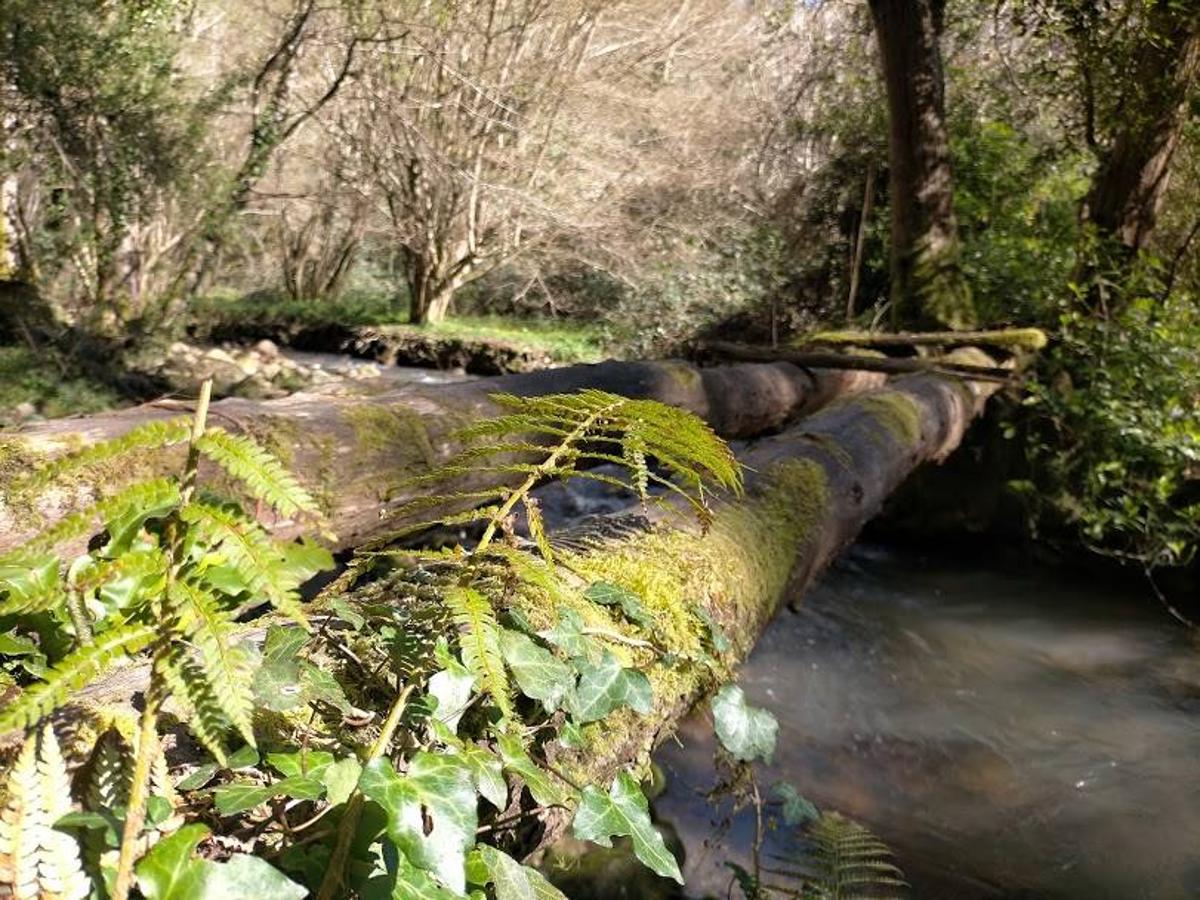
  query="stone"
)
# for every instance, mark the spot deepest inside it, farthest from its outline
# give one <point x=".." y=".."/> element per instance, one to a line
<point x="267" y="349"/>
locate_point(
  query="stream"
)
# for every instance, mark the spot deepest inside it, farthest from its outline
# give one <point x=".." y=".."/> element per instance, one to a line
<point x="1012" y="734"/>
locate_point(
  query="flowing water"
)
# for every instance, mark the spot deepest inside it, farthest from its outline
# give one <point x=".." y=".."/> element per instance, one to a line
<point x="1009" y="733"/>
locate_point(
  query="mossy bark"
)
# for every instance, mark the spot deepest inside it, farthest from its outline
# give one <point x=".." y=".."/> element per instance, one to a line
<point x="356" y="452"/>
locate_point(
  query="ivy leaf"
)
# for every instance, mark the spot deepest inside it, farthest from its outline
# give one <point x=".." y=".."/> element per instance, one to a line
<point x="172" y="871"/>
<point x="340" y="780"/>
<point x="513" y="881"/>
<point x="545" y="789"/>
<point x="608" y="594"/>
<point x="796" y="807"/>
<point x="747" y="732"/>
<point x="540" y="674"/>
<point x="488" y="774"/>
<point x="568" y="636"/>
<point x="606" y="686"/>
<point x="437" y="787"/>
<point x="452" y="688"/>
<point x="238" y="797"/>
<point x="300" y="763"/>
<point x="624" y="812"/>
<point x="318" y="685"/>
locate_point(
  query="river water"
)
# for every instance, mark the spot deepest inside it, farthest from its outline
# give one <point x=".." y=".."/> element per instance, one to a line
<point x="1012" y="734"/>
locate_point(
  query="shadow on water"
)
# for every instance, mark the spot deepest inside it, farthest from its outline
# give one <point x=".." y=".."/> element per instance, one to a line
<point x="1010" y="734"/>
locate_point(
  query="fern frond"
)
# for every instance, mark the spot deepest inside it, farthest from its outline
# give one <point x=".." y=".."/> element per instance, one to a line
<point x="258" y="561"/>
<point x="850" y="862"/>
<point x="150" y="436"/>
<point x="130" y="507"/>
<point x="190" y="689"/>
<point x="479" y="637"/>
<point x="107" y="774"/>
<point x="537" y="528"/>
<point x="199" y="614"/>
<point x="261" y="473"/>
<point x="31" y="585"/>
<point x="36" y="861"/>
<point x="74" y="672"/>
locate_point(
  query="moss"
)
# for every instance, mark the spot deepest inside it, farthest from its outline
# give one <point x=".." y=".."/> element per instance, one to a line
<point x="737" y="573"/>
<point x="378" y="429"/>
<point x="897" y="412"/>
<point x="683" y="374"/>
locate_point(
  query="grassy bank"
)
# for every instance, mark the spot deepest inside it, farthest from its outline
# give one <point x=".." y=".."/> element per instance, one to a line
<point x="40" y="384"/>
<point x="564" y="340"/>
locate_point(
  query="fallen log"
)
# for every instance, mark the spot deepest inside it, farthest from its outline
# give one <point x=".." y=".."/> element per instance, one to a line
<point x="355" y="452"/>
<point x="1003" y="339"/>
<point x="809" y="359"/>
<point x="810" y="491"/>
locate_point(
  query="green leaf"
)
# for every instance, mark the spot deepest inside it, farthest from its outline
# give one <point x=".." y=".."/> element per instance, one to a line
<point x="171" y="871"/>
<point x="567" y="635"/>
<point x="609" y="594"/>
<point x="479" y="639"/>
<point x="606" y="686"/>
<point x="720" y="641"/>
<point x="487" y="772"/>
<point x="747" y="732"/>
<point x="437" y="786"/>
<point x="571" y="736"/>
<point x="624" y="812"/>
<point x="238" y="797"/>
<point x="318" y="685"/>
<point x="452" y="687"/>
<point x="12" y="644"/>
<point x="513" y="881"/>
<point x="546" y="789"/>
<point x="796" y="807"/>
<point x="340" y="780"/>
<point x="262" y="474"/>
<point x="539" y="673"/>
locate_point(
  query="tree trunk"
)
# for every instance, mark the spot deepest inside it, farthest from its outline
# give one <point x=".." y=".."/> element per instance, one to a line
<point x="928" y="287"/>
<point x="356" y="453"/>
<point x="429" y="293"/>
<point x="1128" y="186"/>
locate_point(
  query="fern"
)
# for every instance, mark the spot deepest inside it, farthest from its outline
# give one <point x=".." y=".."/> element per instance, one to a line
<point x="74" y="672"/>
<point x="107" y="773"/>
<point x="849" y="862"/>
<point x="262" y="474"/>
<point x="255" y="557"/>
<point x="192" y="690"/>
<point x="36" y="861"/>
<point x="480" y="640"/>
<point x="151" y="436"/>
<point x="199" y="615"/>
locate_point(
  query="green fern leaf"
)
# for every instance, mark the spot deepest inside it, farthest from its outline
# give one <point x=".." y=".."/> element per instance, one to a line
<point x="850" y="862"/>
<point x="127" y="509"/>
<point x="537" y="528"/>
<point x="262" y="474"/>
<point x="190" y="688"/>
<point x="107" y="774"/>
<point x="151" y="436"/>
<point x="74" y="672"/>
<point x="37" y="861"/>
<point x="200" y="616"/>
<point x="480" y="640"/>
<point x="257" y="560"/>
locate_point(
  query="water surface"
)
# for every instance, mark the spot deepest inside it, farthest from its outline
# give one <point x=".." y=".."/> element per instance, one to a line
<point x="1010" y="734"/>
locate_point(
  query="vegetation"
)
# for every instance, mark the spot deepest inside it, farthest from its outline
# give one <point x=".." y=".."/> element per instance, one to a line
<point x="474" y="690"/>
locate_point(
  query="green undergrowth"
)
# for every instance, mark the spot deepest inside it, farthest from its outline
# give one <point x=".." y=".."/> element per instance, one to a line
<point x="562" y="339"/>
<point x="43" y="381"/>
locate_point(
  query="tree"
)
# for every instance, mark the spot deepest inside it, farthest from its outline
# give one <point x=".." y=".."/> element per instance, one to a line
<point x="1145" y="119"/>
<point x="463" y="117"/>
<point x="927" y="282"/>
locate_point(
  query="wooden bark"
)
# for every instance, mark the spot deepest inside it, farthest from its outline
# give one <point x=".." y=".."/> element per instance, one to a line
<point x="927" y="284"/>
<point x="356" y="452"/>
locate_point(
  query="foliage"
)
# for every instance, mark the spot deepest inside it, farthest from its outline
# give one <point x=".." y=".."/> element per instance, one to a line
<point x="474" y="692"/>
<point x="746" y="732"/>
<point x="1114" y="432"/>
<point x="48" y="384"/>
<point x="847" y="862"/>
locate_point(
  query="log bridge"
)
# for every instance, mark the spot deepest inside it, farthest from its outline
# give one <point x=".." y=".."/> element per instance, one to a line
<point x="823" y="449"/>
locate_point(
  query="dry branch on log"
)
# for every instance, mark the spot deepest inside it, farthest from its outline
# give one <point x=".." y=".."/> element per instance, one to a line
<point x="356" y="453"/>
<point x="807" y="359"/>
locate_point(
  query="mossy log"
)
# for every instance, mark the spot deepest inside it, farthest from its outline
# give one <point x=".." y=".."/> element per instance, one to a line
<point x="1010" y="339"/>
<point x="810" y="491"/>
<point x="355" y="452"/>
<point x="813" y="359"/>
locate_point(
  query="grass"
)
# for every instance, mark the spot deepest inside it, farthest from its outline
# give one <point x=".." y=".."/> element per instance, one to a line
<point x="37" y="379"/>
<point x="561" y="339"/>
